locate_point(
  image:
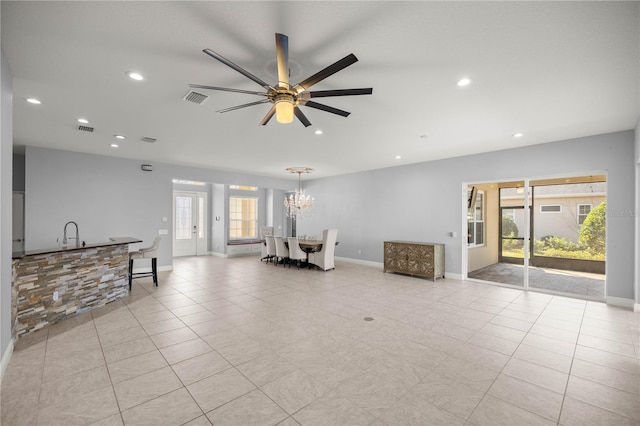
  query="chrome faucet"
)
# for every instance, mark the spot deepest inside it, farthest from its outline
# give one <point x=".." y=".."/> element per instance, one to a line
<point x="64" y="238"/>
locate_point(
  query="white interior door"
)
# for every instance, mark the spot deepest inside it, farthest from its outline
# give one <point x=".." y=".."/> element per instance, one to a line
<point x="189" y="223"/>
<point x="18" y="222"/>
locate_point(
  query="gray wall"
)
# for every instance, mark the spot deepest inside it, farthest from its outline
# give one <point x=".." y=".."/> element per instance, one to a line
<point x="218" y="227"/>
<point x="108" y="196"/>
<point x="424" y="202"/>
<point x="6" y="163"/>
<point x="112" y="197"/>
<point x="637" y="215"/>
<point x="18" y="172"/>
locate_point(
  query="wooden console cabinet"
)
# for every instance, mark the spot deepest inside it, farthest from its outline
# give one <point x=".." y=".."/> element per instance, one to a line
<point x="414" y="258"/>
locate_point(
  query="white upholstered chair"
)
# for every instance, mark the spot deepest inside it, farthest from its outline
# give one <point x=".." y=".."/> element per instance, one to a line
<point x="295" y="252"/>
<point x="270" y="252"/>
<point x="282" y="252"/>
<point x="150" y="252"/>
<point x="264" y="232"/>
<point x="325" y="257"/>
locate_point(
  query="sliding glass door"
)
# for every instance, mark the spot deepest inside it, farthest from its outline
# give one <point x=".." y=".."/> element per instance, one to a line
<point x="549" y="235"/>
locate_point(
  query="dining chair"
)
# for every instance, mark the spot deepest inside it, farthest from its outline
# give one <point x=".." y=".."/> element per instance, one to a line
<point x="150" y="252"/>
<point x="264" y="232"/>
<point x="325" y="257"/>
<point x="295" y="252"/>
<point x="282" y="252"/>
<point x="270" y="252"/>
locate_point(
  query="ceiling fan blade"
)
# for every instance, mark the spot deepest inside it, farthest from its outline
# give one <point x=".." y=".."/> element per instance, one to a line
<point x="244" y="105"/>
<point x="328" y="71"/>
<point x="343" y="92"/>
<point x="226" y="89"/>
<point x="267" y="117"/>
<point x="327" y="108"/>
<point x="303" y="118"/>
<point x="239" y="69"/>
<point x="282" y="57"/>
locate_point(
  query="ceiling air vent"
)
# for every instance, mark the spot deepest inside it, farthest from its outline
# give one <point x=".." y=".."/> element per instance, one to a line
<point x="148" y="139"/>
<point x="85" y="129"/>
<point x="195" y="97"/>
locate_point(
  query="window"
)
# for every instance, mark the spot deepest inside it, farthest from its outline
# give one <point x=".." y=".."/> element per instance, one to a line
<point x="551" y="208"/>
<point x="583" y="212"/>
<point x="510" y="213"/>
<point x="243" y="218"/>
<point x="475" y="222"/>
<point x="183" y="218"/>
<point x="200" y="217"/>
<point x="244" y="187"/>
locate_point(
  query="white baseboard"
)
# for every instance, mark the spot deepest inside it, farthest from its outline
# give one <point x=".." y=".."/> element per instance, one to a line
<point x="361" y="262"/>
<point x="6" y="357"/>
<point x="217" y="254"/>
<point x="636" y="307"/>
<point x="453" y="276"/>
<point x="619" y="301"/>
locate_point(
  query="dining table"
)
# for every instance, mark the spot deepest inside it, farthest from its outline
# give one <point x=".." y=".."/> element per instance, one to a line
<point x="309" y="246"/>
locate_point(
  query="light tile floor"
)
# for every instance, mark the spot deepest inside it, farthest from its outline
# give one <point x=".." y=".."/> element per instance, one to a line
<point x="237" y="342"/>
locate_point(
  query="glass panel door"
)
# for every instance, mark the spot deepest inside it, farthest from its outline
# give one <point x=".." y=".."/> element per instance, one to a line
<point x="568" y="235"/>
<point x="189" y="223"/>
<point x="512" y="231"/>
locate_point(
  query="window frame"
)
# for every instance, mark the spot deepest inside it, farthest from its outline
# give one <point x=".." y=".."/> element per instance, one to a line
<point x="472" y="218"/>
<point x="255" y="219"/>
<point x="578" y="214"/>
<point x="551" y="212"/>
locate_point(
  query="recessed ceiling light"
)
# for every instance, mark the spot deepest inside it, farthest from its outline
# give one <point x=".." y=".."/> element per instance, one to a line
<point x="119" y="136"/>
<point x="83" y="121"/>
<point x="398" y="157"/>
<point x="34" y="101"/>
<point x="464" y="82"/>
<point x="114" y="145"/>
<point x="518" y="135"/>
<point x="135" y="75"/>
<point x="318" y="132"/>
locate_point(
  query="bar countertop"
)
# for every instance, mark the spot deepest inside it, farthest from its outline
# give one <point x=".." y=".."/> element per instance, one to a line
<point x="112" y="242"/>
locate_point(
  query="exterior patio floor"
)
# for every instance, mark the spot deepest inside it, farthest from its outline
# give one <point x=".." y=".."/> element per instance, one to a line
<point x="582" y="284"/>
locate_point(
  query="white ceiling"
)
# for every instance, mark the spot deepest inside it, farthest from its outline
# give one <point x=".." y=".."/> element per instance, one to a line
<point x="551" y="70"/>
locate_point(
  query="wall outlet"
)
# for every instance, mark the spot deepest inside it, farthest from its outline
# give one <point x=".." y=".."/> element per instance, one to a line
<point x="56" y="296"/>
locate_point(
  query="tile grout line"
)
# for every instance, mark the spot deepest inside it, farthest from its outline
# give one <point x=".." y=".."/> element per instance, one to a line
<point x="573" y="357"/>
<point x="510" y="357"/>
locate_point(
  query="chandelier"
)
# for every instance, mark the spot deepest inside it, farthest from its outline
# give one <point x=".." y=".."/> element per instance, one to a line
<point x="298" y="204"/>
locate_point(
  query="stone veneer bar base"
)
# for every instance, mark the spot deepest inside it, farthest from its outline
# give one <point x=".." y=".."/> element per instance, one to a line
<point x="84" y="279"/>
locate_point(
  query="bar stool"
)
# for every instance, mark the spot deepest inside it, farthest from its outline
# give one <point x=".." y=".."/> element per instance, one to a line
<point x="145" y="253"/>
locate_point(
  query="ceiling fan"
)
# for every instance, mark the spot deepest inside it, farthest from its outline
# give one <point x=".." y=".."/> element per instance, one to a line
<point x="286" y="98"/>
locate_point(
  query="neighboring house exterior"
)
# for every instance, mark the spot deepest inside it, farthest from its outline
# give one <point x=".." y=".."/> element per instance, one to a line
<point x="558" y="210"/>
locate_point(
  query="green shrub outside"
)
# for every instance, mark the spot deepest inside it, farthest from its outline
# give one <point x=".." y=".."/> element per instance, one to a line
<point x="590" y="246"/>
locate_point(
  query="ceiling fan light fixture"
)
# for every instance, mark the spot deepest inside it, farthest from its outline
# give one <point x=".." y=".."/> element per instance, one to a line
<point x="286" y="98"/>
<point x="284" y="108"/>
